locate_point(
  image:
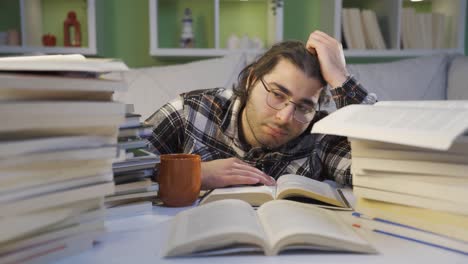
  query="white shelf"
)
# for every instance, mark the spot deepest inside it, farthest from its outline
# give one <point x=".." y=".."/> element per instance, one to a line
<point x="275" y="34"/>
<point x="397" y="52"/>
<point x="182" y="52"/>
<point x="389" y="13"/>
<point x="31" y="10"/>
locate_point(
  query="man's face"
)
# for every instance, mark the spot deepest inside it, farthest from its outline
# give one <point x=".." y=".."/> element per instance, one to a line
<point x="264" y="126"/>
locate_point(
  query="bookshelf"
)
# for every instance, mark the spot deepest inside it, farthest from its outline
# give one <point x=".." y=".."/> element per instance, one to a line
<point x="392" y="24"/>
<point x="214" y="22"/>
<point x="31" y="19"/>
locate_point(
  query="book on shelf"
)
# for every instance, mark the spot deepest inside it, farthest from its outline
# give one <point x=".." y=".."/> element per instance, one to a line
<point x="233" y="226"/>
<point x="61" y="63"/>
<point x="371" y="29"/>
<point x="346" y="26"/>
<point x="290" y="186"/>
<point x="443" y="223"/>
<point x="356" y="27"/>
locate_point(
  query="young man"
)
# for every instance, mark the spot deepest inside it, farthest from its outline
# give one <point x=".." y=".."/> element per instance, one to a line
<point x="261" y="129"/>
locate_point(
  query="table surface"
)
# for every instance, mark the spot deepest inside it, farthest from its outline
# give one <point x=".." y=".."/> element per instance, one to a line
<point x="140" y="239"/>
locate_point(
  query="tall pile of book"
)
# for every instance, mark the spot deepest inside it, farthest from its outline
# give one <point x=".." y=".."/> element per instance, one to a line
<point x="58" y="138"/>
<point x="409" y="164"/>
<point x="135" y="189"/>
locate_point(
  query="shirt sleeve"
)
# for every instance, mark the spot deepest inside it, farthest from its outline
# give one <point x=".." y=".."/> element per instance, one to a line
<point x="351" y="92"/>
<point x="336" y="157"/>
<point x="335" y="150"/>
<point x="168" y="125"/>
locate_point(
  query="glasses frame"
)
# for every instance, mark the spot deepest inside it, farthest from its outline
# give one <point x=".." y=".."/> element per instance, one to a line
<point x="286" y="103"/>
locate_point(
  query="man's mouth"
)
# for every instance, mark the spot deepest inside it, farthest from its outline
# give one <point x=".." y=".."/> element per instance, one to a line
<point x="276" y="132"/>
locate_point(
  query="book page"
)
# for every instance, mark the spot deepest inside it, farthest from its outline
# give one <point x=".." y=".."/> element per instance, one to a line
<point x="254" y="195"/>
<point x="447" y="104"/>
<point x="433" y="128"/>
<point x="288" y="223"/>
<point x="214" y="226"/>
<point x="291" y="185"/>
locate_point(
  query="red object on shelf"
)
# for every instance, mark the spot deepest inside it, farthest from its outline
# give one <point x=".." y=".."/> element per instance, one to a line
<point x="71" y="31"/>
<point x="49" y="40"/>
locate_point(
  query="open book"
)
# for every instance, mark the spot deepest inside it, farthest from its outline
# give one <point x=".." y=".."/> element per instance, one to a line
<point x="425" y="124"/>
<point x="290" y="186"/>
<point x="231" y="226"/>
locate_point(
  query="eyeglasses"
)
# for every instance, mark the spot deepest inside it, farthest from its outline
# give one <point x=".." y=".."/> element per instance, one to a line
<point x="278" y="100"/>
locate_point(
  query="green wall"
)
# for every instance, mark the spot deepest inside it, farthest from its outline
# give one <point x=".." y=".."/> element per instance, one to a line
<point x="129" y="39"/>
<point x="123" y="26"/>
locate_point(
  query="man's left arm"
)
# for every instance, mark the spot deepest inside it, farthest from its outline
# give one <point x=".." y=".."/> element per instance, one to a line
<point x="335" y="151"/>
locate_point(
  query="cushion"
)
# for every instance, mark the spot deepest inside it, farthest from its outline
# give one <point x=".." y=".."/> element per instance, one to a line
<point x="151" y="87"/>
<point x="423" y="78"/>
<point x="457" y="88"/>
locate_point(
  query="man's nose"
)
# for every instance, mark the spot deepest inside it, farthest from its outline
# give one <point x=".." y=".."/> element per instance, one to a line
<point x="286" y="114"/>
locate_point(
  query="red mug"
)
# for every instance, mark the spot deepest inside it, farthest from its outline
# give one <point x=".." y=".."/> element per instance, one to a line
<point x="179" y="179"/>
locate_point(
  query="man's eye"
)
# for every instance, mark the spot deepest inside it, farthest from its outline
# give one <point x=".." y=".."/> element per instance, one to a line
<point x="278" y="95"/>
<point x="305" y="109"/>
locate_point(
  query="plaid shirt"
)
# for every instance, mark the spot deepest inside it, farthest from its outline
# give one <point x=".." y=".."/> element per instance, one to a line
<point x="205" y="122"/>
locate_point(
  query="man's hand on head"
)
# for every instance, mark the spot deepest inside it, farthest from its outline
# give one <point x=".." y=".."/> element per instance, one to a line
<point x="231" y="171"/>
<point x="331" y="57"/>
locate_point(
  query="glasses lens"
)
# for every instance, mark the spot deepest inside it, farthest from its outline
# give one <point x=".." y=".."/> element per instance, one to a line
<point x="277" y="99"/>
<point x="304" y="117"/>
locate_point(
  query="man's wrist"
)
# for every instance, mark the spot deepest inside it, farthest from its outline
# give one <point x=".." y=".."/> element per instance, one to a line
<point x="339" y="82"/>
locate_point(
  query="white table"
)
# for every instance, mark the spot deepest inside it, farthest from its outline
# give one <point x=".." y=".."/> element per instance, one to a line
<point x="138" y="239"/>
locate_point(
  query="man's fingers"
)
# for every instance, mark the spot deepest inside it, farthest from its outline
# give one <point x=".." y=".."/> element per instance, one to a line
<point x="253" y="172"/>
<point x="237" y="180"/>
<point x="262" y="178"/>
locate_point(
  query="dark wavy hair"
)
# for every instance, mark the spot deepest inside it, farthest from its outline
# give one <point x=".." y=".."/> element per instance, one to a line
<point x="293" y="51"/>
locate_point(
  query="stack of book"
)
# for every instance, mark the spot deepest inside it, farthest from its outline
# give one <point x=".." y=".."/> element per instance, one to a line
<point x="409" y="163"/>
<point x="57" y="143"/>
<point x="133" y="172"/>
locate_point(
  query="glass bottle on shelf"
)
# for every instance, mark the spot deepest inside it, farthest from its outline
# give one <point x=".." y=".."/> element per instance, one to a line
<point x="187" y="39"/>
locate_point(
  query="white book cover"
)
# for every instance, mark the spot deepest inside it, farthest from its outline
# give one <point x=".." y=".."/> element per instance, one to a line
<point x="53" y="115"/>
<point x="12" y="148"/>
<point x="71" y="62"/>
<point x="53" y="199"/>
<point x="432" y="125"/>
